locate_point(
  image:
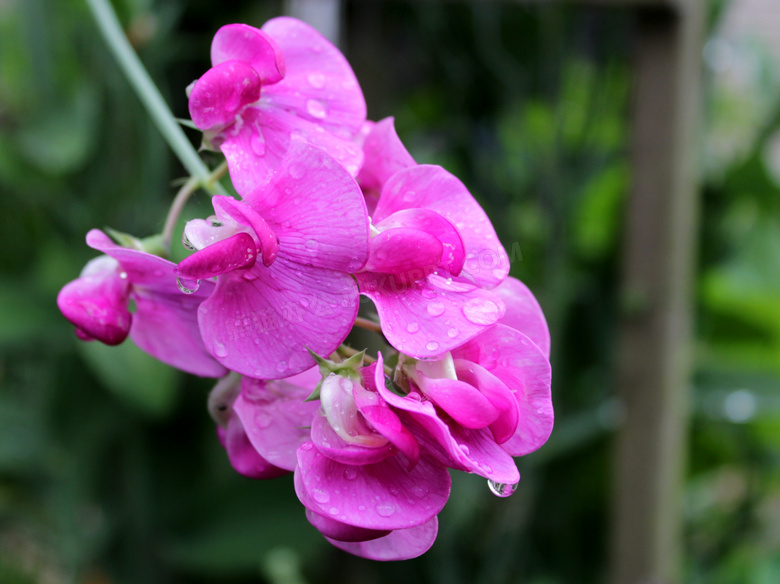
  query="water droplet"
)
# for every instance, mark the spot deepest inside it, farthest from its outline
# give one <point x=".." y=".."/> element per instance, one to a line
<point x="465" y="449"/>
<point x="316" y="109"/>
<point x="432" y="346"/>
<point x="262" y="420"/>
<point x="304" y="302"/>
<point x="219" y="349"/>
<point x="419" y="491"/>
<point x="385" y="509"/>
<point x="452" y="333"/>
<point x="410" y="196"/>
<point x="436" y="309"/>
<point x="427" y="293"/>
<point x="281" y="366"/>
<point x="501" y="489"/>
<point x="296" y="170"/>
<point x="481" y="311"/>
<point x="312" y="244"/>
<point x="320" y="496"/>
<point x="499" y="273"/>
<point x="187" y="243"/>
<point x="307" y="446"/>
<point x="257" y="143"/>
<point x="123" y="275"/>
<point x="317" y="80"/>
<point x="350" y="474"/>
<point x="333" y="511"/>
<point x="412" y="327"/>
<point x="190" y="287"/>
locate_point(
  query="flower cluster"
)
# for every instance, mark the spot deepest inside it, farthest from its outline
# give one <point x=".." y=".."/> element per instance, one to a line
<point x="332" y="207"/>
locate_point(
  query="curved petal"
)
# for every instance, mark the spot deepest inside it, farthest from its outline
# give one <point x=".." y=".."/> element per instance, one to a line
<point x="242" y="455"/>
<point x="432" y="187"/>
<point x="384" y="155"/>
<point x="251" y="45"/>
<point x="524" y="313"/>
<point x="374" y="496"/>
<point x="276" y="418"/>
<point x="400" y="544"/>
<point x="336" y="448"/>
<point x="520" y="364"/>
<point x="464" y="403"/>
<point x="234" y="253"/>
<point x="222" y="92"/>
<point x="497" y="393"/>
<point x="244" y="214"/>
<point x="260" y="323"/>
<point x="431" y="316"/>
<point x="319" y="84"/>
<point x="316" y="209"/>
<point x="342" y="532"/>
<point x="405" y="253"/>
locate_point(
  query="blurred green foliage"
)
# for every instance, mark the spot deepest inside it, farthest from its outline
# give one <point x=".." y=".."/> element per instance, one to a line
<point x="109" y="468"/>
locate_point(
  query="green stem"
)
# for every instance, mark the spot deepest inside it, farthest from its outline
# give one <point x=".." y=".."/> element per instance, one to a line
<point x="148" y="93"/>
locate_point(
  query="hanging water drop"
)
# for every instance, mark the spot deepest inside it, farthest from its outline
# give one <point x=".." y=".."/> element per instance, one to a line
<point x="188" y="288"/>
<point x="501" y="489"/>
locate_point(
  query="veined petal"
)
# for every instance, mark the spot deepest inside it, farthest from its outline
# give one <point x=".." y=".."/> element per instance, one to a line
<point x="432" y="187"/>
<point x="399" y="544"/>
<point x="319" y="84"/>
<point x="251" y="45"/>
<point x="384" y="155"/>
<point x="243" y="214"/>
<point x="243" y="456"/>
<point x="261" y="322"/>
<point x="234" y="253"/>
<point x="316" y="209"/>
<point x="377" y="496"/>
<point x="342" y="532"/>
<point x="464" y="403"/>
<point x="329" y="443"/>
<point x="520" y="364"/>
<point x="497" y="393"/>
<point x="408" y="254"/>
<point x="524" y="313"/>
<point x="222" y="92"/>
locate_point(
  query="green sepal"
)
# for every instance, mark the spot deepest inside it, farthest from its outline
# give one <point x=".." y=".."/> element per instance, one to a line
<point x="347" y="368"/>
<point x="314" y="395"/>
<point x="125" y="239"/>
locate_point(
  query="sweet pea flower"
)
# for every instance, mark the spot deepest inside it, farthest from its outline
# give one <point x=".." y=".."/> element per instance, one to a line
<point x="523" y="313"/>
<point x="282" y="258"/>
<point x="270" y="84"/>
<point x="164" y="323"/>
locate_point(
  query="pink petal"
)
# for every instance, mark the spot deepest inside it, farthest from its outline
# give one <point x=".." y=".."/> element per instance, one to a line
<point x="243" y="214"/>
<point x="342" y="532"/>
<point x="96" y="304"/>
<point x="400" y="544"/>
<point x="524" y="313"/>
<point x="316" y="209"/>
<point x="431" y="316"/>
<point x="497" y="393"/>
<point x="222" y="92"/>
<point x="464" y="403"/>
<point x="276" y="418"/>
<point x="319" y="85"/>
<point x="336" y="448"/>
<point x="261" y="322"/>
<point x="405" y="253"/>
<point x="374" y="496"/>
<point x="246" y="43"/>
<point x="434" y="224"/>
<point x="384" y="155"/>
<point x="432" y="187"/>
<point x="243" y="456"/>
<point x="520" y="364"/>
<point x="236" y="252"/>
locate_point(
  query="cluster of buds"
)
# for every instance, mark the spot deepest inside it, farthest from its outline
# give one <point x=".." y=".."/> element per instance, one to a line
<point x="333" y="207"/>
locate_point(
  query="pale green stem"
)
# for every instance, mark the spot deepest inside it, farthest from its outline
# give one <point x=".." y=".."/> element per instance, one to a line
<point x="368" y="324"/>
<point x="148" y="93"/>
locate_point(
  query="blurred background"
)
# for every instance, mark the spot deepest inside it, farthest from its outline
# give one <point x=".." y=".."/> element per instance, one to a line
<point x="109" y="467"/>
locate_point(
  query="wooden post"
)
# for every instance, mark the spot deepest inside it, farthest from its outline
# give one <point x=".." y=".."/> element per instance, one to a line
<point x="324" y="15"/>
<point x="654" y="327"/>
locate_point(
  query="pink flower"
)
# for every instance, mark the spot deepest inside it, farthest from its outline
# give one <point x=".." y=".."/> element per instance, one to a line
<point x="164" y="321"/>
<point x="268" y="85"/>
<point x="524" y="313"/>
<point x="282" y="258"/>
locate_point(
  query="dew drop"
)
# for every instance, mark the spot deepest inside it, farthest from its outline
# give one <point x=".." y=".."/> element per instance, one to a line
<point x="296" y="170"/>
<point x="452" y="333"/>
<point x="304" y="302"/>
<point x="307" y="446"/>
<point x="312" y="244"/>
<point x="281" y="366"/>
<point x="317" y="80"/>
<point x="465" y="449"/>
<point x="501" y="489"/>
<point x="412" y="327"/>
<point x="123" y="275"/>
<point x="350" y="474"/>
<point x="419" y="491"/>
<point x="257" y="143"/>
<point x="220" y="350"/>
<point x="481" y="311"/>
<point x="316" y="109"/>
<point x="187" y="243"/>
<point x="410" y="196"/>
<point x="436" y="309"/>
<point x="189" y="288"/>
<point x="320" y="496"/>
<point x="426" y="293"/>
<point x="262" y="420"/>
<point x="385" y="509"/>
<point x="432" y="346"/>
<point x="499" y="273"/>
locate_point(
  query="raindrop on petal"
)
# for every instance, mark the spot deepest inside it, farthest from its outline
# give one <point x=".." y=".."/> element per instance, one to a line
<point x="501" y="489"/>
<point x="481" y="311"/>
<point x="189" y="288"/>
<point x="436" y="309"/>
<point x="316" y="109"/>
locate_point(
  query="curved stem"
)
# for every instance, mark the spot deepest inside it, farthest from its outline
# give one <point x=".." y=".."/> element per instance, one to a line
<point x="148" y="93"/>
<point x="368" y="324"/>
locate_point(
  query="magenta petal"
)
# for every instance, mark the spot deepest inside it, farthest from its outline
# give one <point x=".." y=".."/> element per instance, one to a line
<point x="96" y="305"/>
<point x="400" y="544"/>
<point x="222" y="92"/>
<point x="497" y="393"/>
<point x="334" y="447"/>
<point x="464" y="403"/>
<point x="236" y="252"/>
<point x="520" y="364"/>
<point x="409" y="254"/>
<point x="432" y="316"/>
<point x="342" y="532"/>
<point x="243" y="214"/>
<point x="246" y="43"/>
<point x="316" y="209"/>
<point x="260" y="323"/>
<point x="319" y="84"/>
<point x="437" y="226"/>
<point x="432" y="187"/>
<point x="524" y="313"/>
<point x="276" y="418"/>
<point x="375" y="496"/>
<point x="243" y="456"/>
<point x="384" y="155"/>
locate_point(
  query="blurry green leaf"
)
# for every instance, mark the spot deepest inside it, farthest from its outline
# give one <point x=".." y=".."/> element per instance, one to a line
<point x="597" y="217"/>
<point x="134" y="376"/>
